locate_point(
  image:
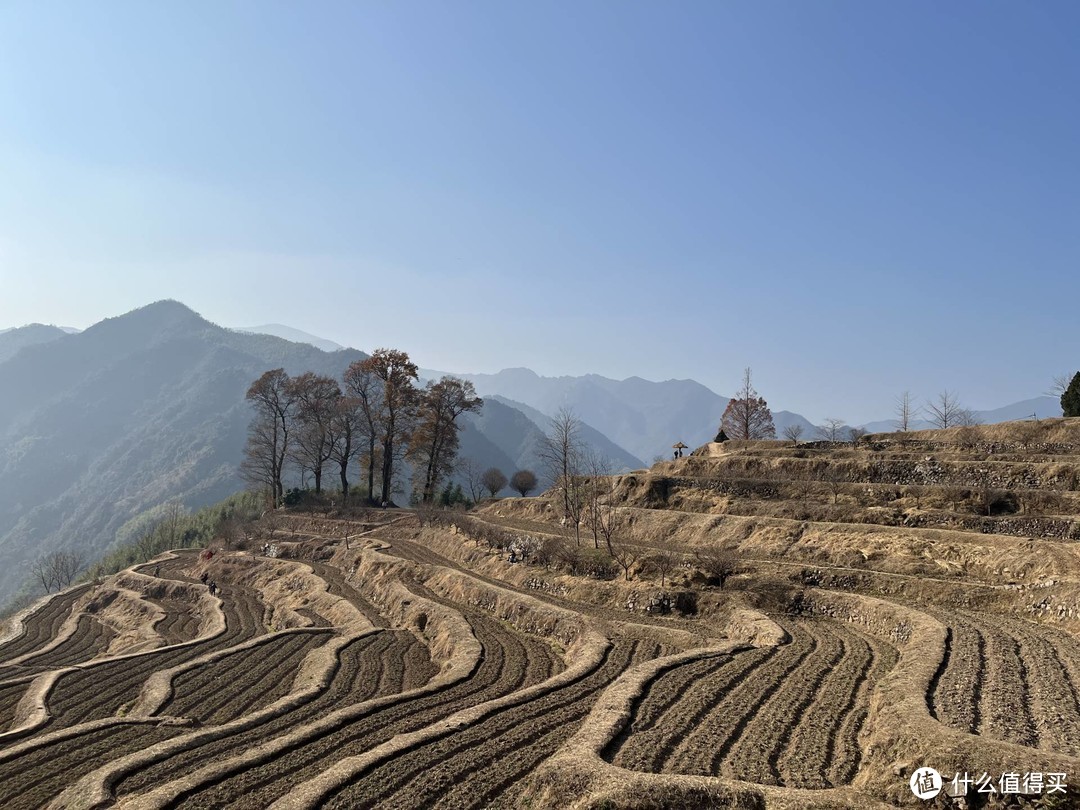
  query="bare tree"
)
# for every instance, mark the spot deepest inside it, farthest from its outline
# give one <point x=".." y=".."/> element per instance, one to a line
<point x="856" y="435"/>
<point x="1059" y="385"/>
<point x="523" y="482"/>
<point x="906" y="411"/>
<point x="597" y="485"/>
<point x="625" y="554"/>
<point x="474" y="478"/>
<point x="42" y="572"/>
<point x="66" y="566"/>
<point x="610" y="520"/>
<point x="174" y="513"/>
<point x="793" y="433"/>
<point x="834" y="480"/>
<point x="747" y="415"/>
<point x="57" y="569"/>
<point x="434" y="444"/>
<point x="944" y="410"/>
<point x="663" y="560"/>
<point x="362" y="387"/>
<point x="317" y="401"/>
<point x="146" y="545"/>
<point x="832" y="430"/>
<point x="967" y="437"/>
<point x="965" y="417"/>
<point x="395" y="408"/>
<point x="562" y="453"/>
<point x="346" y="432"/>
<point x="718" y="562"/>
<point x="494" y="480"/>
<point x="268" y="434"/>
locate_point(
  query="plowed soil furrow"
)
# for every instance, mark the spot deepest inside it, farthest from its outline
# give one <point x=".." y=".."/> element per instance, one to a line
<point x="676" y="703"/>
<point x="756" y="753"/>
<point x="10" y="695"/>
<point x="221" y="690"/>
<point x="42" y="627"/>
<point x="337" y="585"/>
<point x="503" y="670"/>
<point x="846" y="754"/>
<point x="91" y="640"/>
<point x="31" y="780"/>
<point x="805" y="762"/>
<point x="179" y="625"/>
<point x="99" y="691"/>
<point x="416" y="667"/>
<point x="1050" y="658"/>
<point x="709" y="743"/>
<point x="703" y="750"/>
<point x="471" y="767"/>
<point x="1055" y="710"/>
<point x="955" y="699"/>
<point x="1004" y="701"/>
<point x="359" y="677"/>
<point x="673" y="687"/>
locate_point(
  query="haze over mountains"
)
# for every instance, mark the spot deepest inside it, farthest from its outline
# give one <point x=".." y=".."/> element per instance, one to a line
<point x="100" y="426"/>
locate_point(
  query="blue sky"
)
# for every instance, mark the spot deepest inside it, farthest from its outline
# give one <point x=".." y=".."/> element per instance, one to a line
<point x="854" y="198"/>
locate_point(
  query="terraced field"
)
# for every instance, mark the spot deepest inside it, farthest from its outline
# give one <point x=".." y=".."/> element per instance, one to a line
<point x="787" y="715"/>
<point x="421" y="667"/>
<point x="40" y="628"/>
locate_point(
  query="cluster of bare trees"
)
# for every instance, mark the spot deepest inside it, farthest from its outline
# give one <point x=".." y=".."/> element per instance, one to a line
<point x="57" y="570"/>
<point x="943" y="411"/>
<point x="376" y="416"/>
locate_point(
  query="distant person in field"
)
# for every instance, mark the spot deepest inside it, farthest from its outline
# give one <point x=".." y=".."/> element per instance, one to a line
<point x="213" y="588"/>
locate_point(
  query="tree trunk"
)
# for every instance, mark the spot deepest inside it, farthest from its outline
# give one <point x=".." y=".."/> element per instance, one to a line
<point x="388" y="465"/>
<point x="371" y="470"/>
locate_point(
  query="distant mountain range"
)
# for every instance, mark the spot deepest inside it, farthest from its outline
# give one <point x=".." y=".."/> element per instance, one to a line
<point x="293" y="335"/>
<point x="103" y="425"/>
<point x="100" y="426"/>
<point x="645" y="418"/>
<point x="14" y="340"/>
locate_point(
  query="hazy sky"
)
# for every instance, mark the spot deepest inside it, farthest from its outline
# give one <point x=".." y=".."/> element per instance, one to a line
<point x="855" y="198"/>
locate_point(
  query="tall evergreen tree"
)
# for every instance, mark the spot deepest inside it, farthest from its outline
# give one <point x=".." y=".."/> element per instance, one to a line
<point x="1070" y="400"/>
